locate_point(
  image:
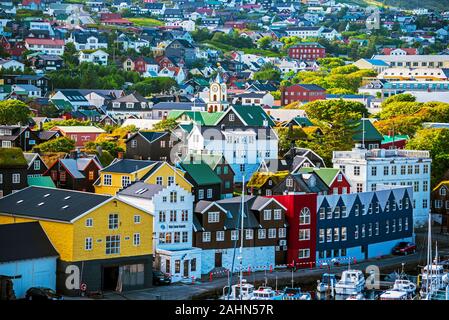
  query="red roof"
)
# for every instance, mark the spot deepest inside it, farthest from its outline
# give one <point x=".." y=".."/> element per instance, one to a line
<point x="55" y="42"/>
<point x="116" y="21"/>
<point x="27" y="2"/>
<point x="409" y="51"/>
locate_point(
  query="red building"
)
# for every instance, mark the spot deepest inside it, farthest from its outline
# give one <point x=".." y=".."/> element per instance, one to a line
<point x="302" y="93"/>
<point x="236" y="24"/>
<point x="307" y="51"/>
<point x="302" y="221"/>
<point x="394" y="142"/>
<point x="80" y="134"/>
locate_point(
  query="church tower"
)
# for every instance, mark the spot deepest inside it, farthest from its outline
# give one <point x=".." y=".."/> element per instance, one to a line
<point x="218" y="95"/>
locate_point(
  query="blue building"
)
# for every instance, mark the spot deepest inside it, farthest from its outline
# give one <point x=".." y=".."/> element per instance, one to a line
<point x="27" y="256"/>
<point x="363" y="225"/>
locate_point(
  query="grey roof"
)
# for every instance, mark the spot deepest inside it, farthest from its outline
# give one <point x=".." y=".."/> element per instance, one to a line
<point x="141" y="190"/>
<point x="29" y="242"/>
<point x="49" y="203"/>
<point x="177" y="105"/>
<point x="72" y="166"/>
<point x="128" y="165"/>
<point x="29" y="157"/>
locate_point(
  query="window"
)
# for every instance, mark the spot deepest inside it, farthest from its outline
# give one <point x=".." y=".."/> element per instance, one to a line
<point x="107" y="180"/>
<point x="416" y="168"/>
<point x="133" y="143"/>
<point x="337" y="212"/>
<point x="162" y="216"/>
<point x="386" y="170"/>
<point x="282" y="232"/>
<point x="393" y="170"/>
<point x="322" y="213"/>
<point x="426" y="168"/>
<point x="267" y="214"/>
<point x="442" y="191"/>
<point x="184" y="215"/>
<point x="231" y="117"/>
<point x="249" y="234"/>
<point x="137" y="219"/>
<point x="329" y="213"/>
<point x="173" y="196"/>
<point x="304" y="234"/>
<point x="168" y="237"/>
<point x="136" y="239"/>
<point x="88" y="244"/>
<point x="125" y="181"/>
<point x="213" y="217"/>
<point x="424" y="203"/>
<point x="289" y="182"/>
<point x="209" y="193"/>
<point x="277" y="214"/>
<point x="162" y="143"/>
<point x="356" y="232"/>
<point x="173" y="216"/>
<point x="1" y="177"/>
<point x="370" y="230"/>
<point x="185" y="236"/>
<point x="403" y="169"/>
<point x="262" y="233"/>
<point x="363" y="231"/>
<point x="425" y="186"/>
<point x="344" y="212"/>
<point x="304" y="216"/>
<point x="321" y="236"/>
<point x="374" y="171"/>
<point x="162" y="237"/>
<point x="37" y="165"/>
<point x="356" y="170"/>
<point x="336" y="234"/>
<point x="16" y="178"/>
<point x="415" y="186"/>
<point x="387" y="226"/>
<point x="200" y="194"/>
<point x="359" y="187"/>
<point x="113" y="244"/>
<point x="220" y="235"/>
<point x="303" y="253"/>
<point x="206" y="236"/>
<point x="177" y="266"/>
<point x="193" y="264"/>
<point x="343" y="234"/>
<point x="113" y="221"/>
<point x="356" y="210"/>
<point x="159" y="180"/>
<point x="329" y="235"/>
<point x="170" y="180"/>
<point x="234" y="235"/>
<point x="89" y="222"/>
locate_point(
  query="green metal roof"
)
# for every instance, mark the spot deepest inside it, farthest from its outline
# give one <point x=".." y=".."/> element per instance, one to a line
<point x="253" y="115"/>
<point x="201" y="173"/>
<point x="201" y="117"/>
<point x="371" y="133"/>
<point x="44" y="181"/>
<point x="398" y="137"/>
<point x="303" y="121"/>
<point x="325" y="174"/>
<point x="61" y="104"/>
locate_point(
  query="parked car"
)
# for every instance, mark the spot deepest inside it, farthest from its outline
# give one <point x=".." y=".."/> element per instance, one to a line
<point x="404" y="248"/>
<point x="160" y="277"/>
<point x="41" y="293"/>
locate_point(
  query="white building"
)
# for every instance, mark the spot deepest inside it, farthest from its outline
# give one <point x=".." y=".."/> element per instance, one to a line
<point x="98" y="57"/>
<point x="172" y="208"/>
<point x="11" y="64"/>
<point x="47" y="46"/>
<point x="365" y="169"/>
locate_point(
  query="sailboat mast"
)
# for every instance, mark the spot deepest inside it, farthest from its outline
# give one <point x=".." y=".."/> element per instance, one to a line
<point x="241" y="236"/>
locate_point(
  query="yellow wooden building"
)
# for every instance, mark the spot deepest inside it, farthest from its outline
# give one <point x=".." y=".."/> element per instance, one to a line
<point x="107" y="240"/>
<point x="122" y="172"/>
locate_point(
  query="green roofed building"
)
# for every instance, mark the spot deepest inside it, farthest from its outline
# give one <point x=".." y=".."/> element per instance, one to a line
<point x="206" y="183"/>
<point x="13" y="170"/>
<point x="43" y="181"/>
<point x="367" y="135"/>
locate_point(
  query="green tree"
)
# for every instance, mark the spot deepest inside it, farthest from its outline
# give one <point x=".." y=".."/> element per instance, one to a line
<point x="154" y="85"/>
<point x="62" y="144"/>
<point x="437" y="142"/>
<point x="264" y="42"/>
<point x="166" y="125"/>
<point x="328" y="110"/>
<point x="14" y="112"/>
<point x="69" y="122"/>
<point x="267" y="72"/>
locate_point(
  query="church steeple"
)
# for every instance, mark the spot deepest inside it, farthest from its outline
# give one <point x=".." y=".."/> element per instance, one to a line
<point x="218" y="93"/>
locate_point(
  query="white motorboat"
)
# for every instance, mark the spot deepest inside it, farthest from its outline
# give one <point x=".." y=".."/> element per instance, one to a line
<point x="352" y="282"/>
<point x="394" y="295"/>
<point x="405" y="285"/>
<point x="266" y="293"/>
<point x="240" y="291"/>
<point x="295" y="294"/>
<point x="432" y="279"/>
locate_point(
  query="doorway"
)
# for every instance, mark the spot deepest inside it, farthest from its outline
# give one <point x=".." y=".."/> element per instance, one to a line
<point x="186" y="268"/>
<point x="218" y="259"/>
<point x="110" y="278"/>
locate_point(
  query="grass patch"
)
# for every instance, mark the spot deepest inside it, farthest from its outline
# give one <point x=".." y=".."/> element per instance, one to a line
<point x="12" y="158"/>
<point x="146" y="22"/>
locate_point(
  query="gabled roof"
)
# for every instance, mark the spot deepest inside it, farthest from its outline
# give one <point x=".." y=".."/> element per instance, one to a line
<point x="41" y="181"/>
<point x="150" y="136"/>
<point x="201" y="173"/>
<point x="253" y="115"/>
<point x="371" y="133"/>
<point x="128" y="165"/>
<point x="141" y="190"/>
<point x="326" y="174"/>
<point x="50" y="203"/>
<point x="12" y="158"/>
<point x="258" y="179"/>
<point x="28" y="240"/>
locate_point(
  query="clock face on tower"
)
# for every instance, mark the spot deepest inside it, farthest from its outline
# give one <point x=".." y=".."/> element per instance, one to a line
<point x="214" y="88"/>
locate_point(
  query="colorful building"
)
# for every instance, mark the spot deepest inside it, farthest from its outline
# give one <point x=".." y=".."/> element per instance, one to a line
<point x="108" y="241"/>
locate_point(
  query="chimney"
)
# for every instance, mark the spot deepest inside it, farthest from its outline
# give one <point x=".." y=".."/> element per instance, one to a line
<point x="120" y="155"/>
<point x="41" y="126"/>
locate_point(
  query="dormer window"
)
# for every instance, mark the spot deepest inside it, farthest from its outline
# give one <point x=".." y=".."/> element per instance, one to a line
<point x="116" y="105"/>
<point x="129" y="105"/>
<point x="213" y="217"/>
